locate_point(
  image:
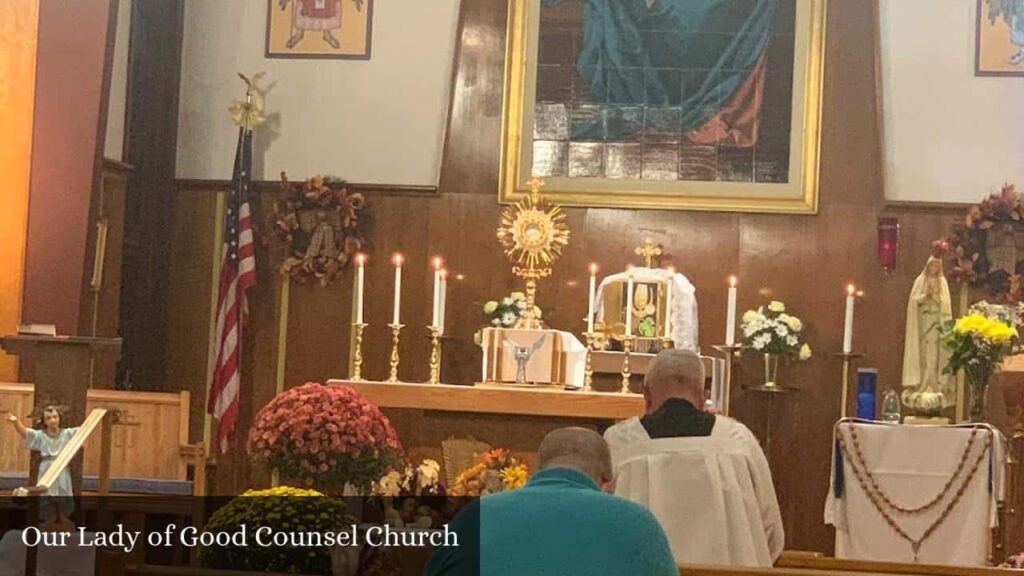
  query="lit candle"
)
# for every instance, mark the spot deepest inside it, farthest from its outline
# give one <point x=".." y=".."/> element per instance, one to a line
<point x="590" y="300"/>
<point x="360" y="270"/>
<point x="397" y="260"/>
<point x="848" y="325"/>
<point x="668" y="302"/>
<point x="730" y="314"/>
<point x="443" y="298"/>
<point x="629" y="302"/>
<point x="438" y="264"/>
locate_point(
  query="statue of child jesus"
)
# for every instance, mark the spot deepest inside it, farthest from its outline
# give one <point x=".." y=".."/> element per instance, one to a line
<point x="49" y="440"/>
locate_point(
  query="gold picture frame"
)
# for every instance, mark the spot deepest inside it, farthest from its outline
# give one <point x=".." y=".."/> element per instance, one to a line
<point x="798" y="194"/>
<point x="319" y="29"/>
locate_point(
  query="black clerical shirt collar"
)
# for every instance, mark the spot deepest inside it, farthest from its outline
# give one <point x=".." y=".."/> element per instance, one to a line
<point x="678" y="418"/>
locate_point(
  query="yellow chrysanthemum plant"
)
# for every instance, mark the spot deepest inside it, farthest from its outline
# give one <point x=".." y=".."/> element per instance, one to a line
<point x="978" y="344"/>
<point x="283" y="509"/>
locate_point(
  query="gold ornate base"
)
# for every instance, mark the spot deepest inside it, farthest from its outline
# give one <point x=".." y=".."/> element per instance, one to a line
<point x="396" y="330"/>
<point x="356" y="374"/>
<point x="627" y="345"/>
<point x="435" y="355"/>
<point x="588" y="367"/>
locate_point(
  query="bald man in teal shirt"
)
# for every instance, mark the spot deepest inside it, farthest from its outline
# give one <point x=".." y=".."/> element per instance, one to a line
<point x="561" y="523"/>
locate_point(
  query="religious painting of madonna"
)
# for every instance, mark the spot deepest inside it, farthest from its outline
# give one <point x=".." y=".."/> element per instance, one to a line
<point x="319" y="29"/>
<point x="677" y="104"/>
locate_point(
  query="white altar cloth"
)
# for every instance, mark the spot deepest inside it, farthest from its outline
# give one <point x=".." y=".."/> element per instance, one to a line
<point x="70" y="560"/>
<point x="911" y="464"/>
<point x="559" y="358"/>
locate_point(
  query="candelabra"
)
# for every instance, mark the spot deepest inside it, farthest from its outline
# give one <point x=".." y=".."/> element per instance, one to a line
<point x="627" y="344"/>
<point x="396" y="330"/>
<point x="435" y="354"/>
<point x="356" y="372"/>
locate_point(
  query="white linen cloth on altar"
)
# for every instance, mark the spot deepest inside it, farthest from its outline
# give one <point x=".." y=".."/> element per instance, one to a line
<point x="683" y="314"/>
<point x="70" y="560"/>
<point x="541" y="363"/>
<point x="713" y="495"/>
<point x="911" y="464"/>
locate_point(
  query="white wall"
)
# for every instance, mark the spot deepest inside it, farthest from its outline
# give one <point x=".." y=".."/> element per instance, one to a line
<point x="949" y="136"/>
<point x="113" y="146"/>
<point x="376" y="121"/>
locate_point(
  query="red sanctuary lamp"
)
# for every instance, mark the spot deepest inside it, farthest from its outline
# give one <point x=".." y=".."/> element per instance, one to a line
<point x="888" y="242"/>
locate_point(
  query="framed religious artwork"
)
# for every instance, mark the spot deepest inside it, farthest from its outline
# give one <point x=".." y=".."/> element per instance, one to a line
<point x="674" y="104"/>
<point x="319" y="29"/>
<point x="999" y="38"/>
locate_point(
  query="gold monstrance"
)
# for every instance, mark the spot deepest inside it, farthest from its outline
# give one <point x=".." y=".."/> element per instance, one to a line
<point x="533" y="233"/>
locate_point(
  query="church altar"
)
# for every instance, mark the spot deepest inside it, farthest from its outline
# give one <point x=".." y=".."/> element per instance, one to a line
<point x="503" y="416"/>
<point x="922" y="494"/>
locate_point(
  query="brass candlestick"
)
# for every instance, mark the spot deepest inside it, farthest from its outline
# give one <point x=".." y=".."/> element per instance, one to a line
<point x="627" y="344"/>
<point x="356" y="373"/>
<point x="848" y="358"/>
<point x="729" y="351"/>
<point x="396" y="330"/>
<point x="588" y="367"/>
<point x="435" y="354"/>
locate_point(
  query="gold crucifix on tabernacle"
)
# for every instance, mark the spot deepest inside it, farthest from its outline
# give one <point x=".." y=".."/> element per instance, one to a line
<point x="649" y="251"/>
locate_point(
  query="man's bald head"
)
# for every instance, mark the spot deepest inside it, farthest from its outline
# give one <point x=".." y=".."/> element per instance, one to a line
<point x="674" y="373"/>
<point x="577" y="448"/>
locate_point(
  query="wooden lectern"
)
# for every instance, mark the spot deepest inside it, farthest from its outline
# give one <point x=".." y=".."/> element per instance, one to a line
<point x="61" y="367"/>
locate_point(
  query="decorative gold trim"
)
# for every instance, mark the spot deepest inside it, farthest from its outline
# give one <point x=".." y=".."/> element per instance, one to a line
<point x="100" y="255"/>
<point x="799" y="197"/>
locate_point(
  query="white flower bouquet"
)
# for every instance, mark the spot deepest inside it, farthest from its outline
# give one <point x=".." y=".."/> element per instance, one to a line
<point x="506" y="312"/>
<point x="772" y="331"/>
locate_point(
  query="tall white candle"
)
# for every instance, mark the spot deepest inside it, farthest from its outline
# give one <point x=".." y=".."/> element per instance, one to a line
<point x="397" y="260"/>
<point x="848" y="325"/>
<point x="360" y="278"/>
<point x="438" y="264"/>
<point x="443" y="299"/>
<point x="629" y="304"/>
<point x="590" y="300"/>
<point x="668" y="302"/>
<point x="730" y="314"/>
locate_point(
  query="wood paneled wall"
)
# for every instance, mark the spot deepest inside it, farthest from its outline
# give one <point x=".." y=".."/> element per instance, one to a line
<point x="805" y="261"/>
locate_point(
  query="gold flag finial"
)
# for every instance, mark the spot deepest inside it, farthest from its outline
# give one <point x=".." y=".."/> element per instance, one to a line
<point x="649" y="251"/>
<point x="249" y="113"/>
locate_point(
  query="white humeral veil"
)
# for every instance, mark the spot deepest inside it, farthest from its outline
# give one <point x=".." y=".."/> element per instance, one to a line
<point x="713" y="495"/>
<point x="684" y="302"/>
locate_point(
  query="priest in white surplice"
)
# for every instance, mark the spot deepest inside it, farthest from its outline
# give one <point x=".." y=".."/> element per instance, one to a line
<point x="704" y="476"/>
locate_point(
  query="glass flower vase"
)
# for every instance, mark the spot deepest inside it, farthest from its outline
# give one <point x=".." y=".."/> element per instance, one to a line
<point x="771" y="369"/>
<point x="977" y="382"/>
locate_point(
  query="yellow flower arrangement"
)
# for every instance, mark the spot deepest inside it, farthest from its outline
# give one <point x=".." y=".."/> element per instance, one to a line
<point x="494" y="471"/>
<point x="978" y="344"/>
<point x="513" y="477"/>
<point x="986" y="328"/>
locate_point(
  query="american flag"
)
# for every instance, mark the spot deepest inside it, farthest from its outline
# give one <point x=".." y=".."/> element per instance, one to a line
<point x="238" y="273"/>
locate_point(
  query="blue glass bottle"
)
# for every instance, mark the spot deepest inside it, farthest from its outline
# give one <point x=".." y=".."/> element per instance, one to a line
<point x="867" y="380"/>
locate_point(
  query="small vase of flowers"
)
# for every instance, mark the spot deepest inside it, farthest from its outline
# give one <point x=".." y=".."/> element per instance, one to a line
<point x="506" y="312"/>
<point x="978" y="344"/>
<point x="776" y="334"/>
<point x="494" y="471"/>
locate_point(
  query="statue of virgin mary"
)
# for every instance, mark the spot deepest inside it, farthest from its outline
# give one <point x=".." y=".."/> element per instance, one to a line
<point x="925" y="387"/>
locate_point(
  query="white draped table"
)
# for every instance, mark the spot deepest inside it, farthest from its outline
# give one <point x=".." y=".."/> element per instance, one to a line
<point x="911" y="466"/>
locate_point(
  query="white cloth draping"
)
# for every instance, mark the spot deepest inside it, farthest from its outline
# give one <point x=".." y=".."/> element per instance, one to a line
<point x="539" y="366"/>
<point x="69" y="560"/>
<point x="683" y="314"/>
<point x="912" y="464"/>
<point x="713" y="495"/>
